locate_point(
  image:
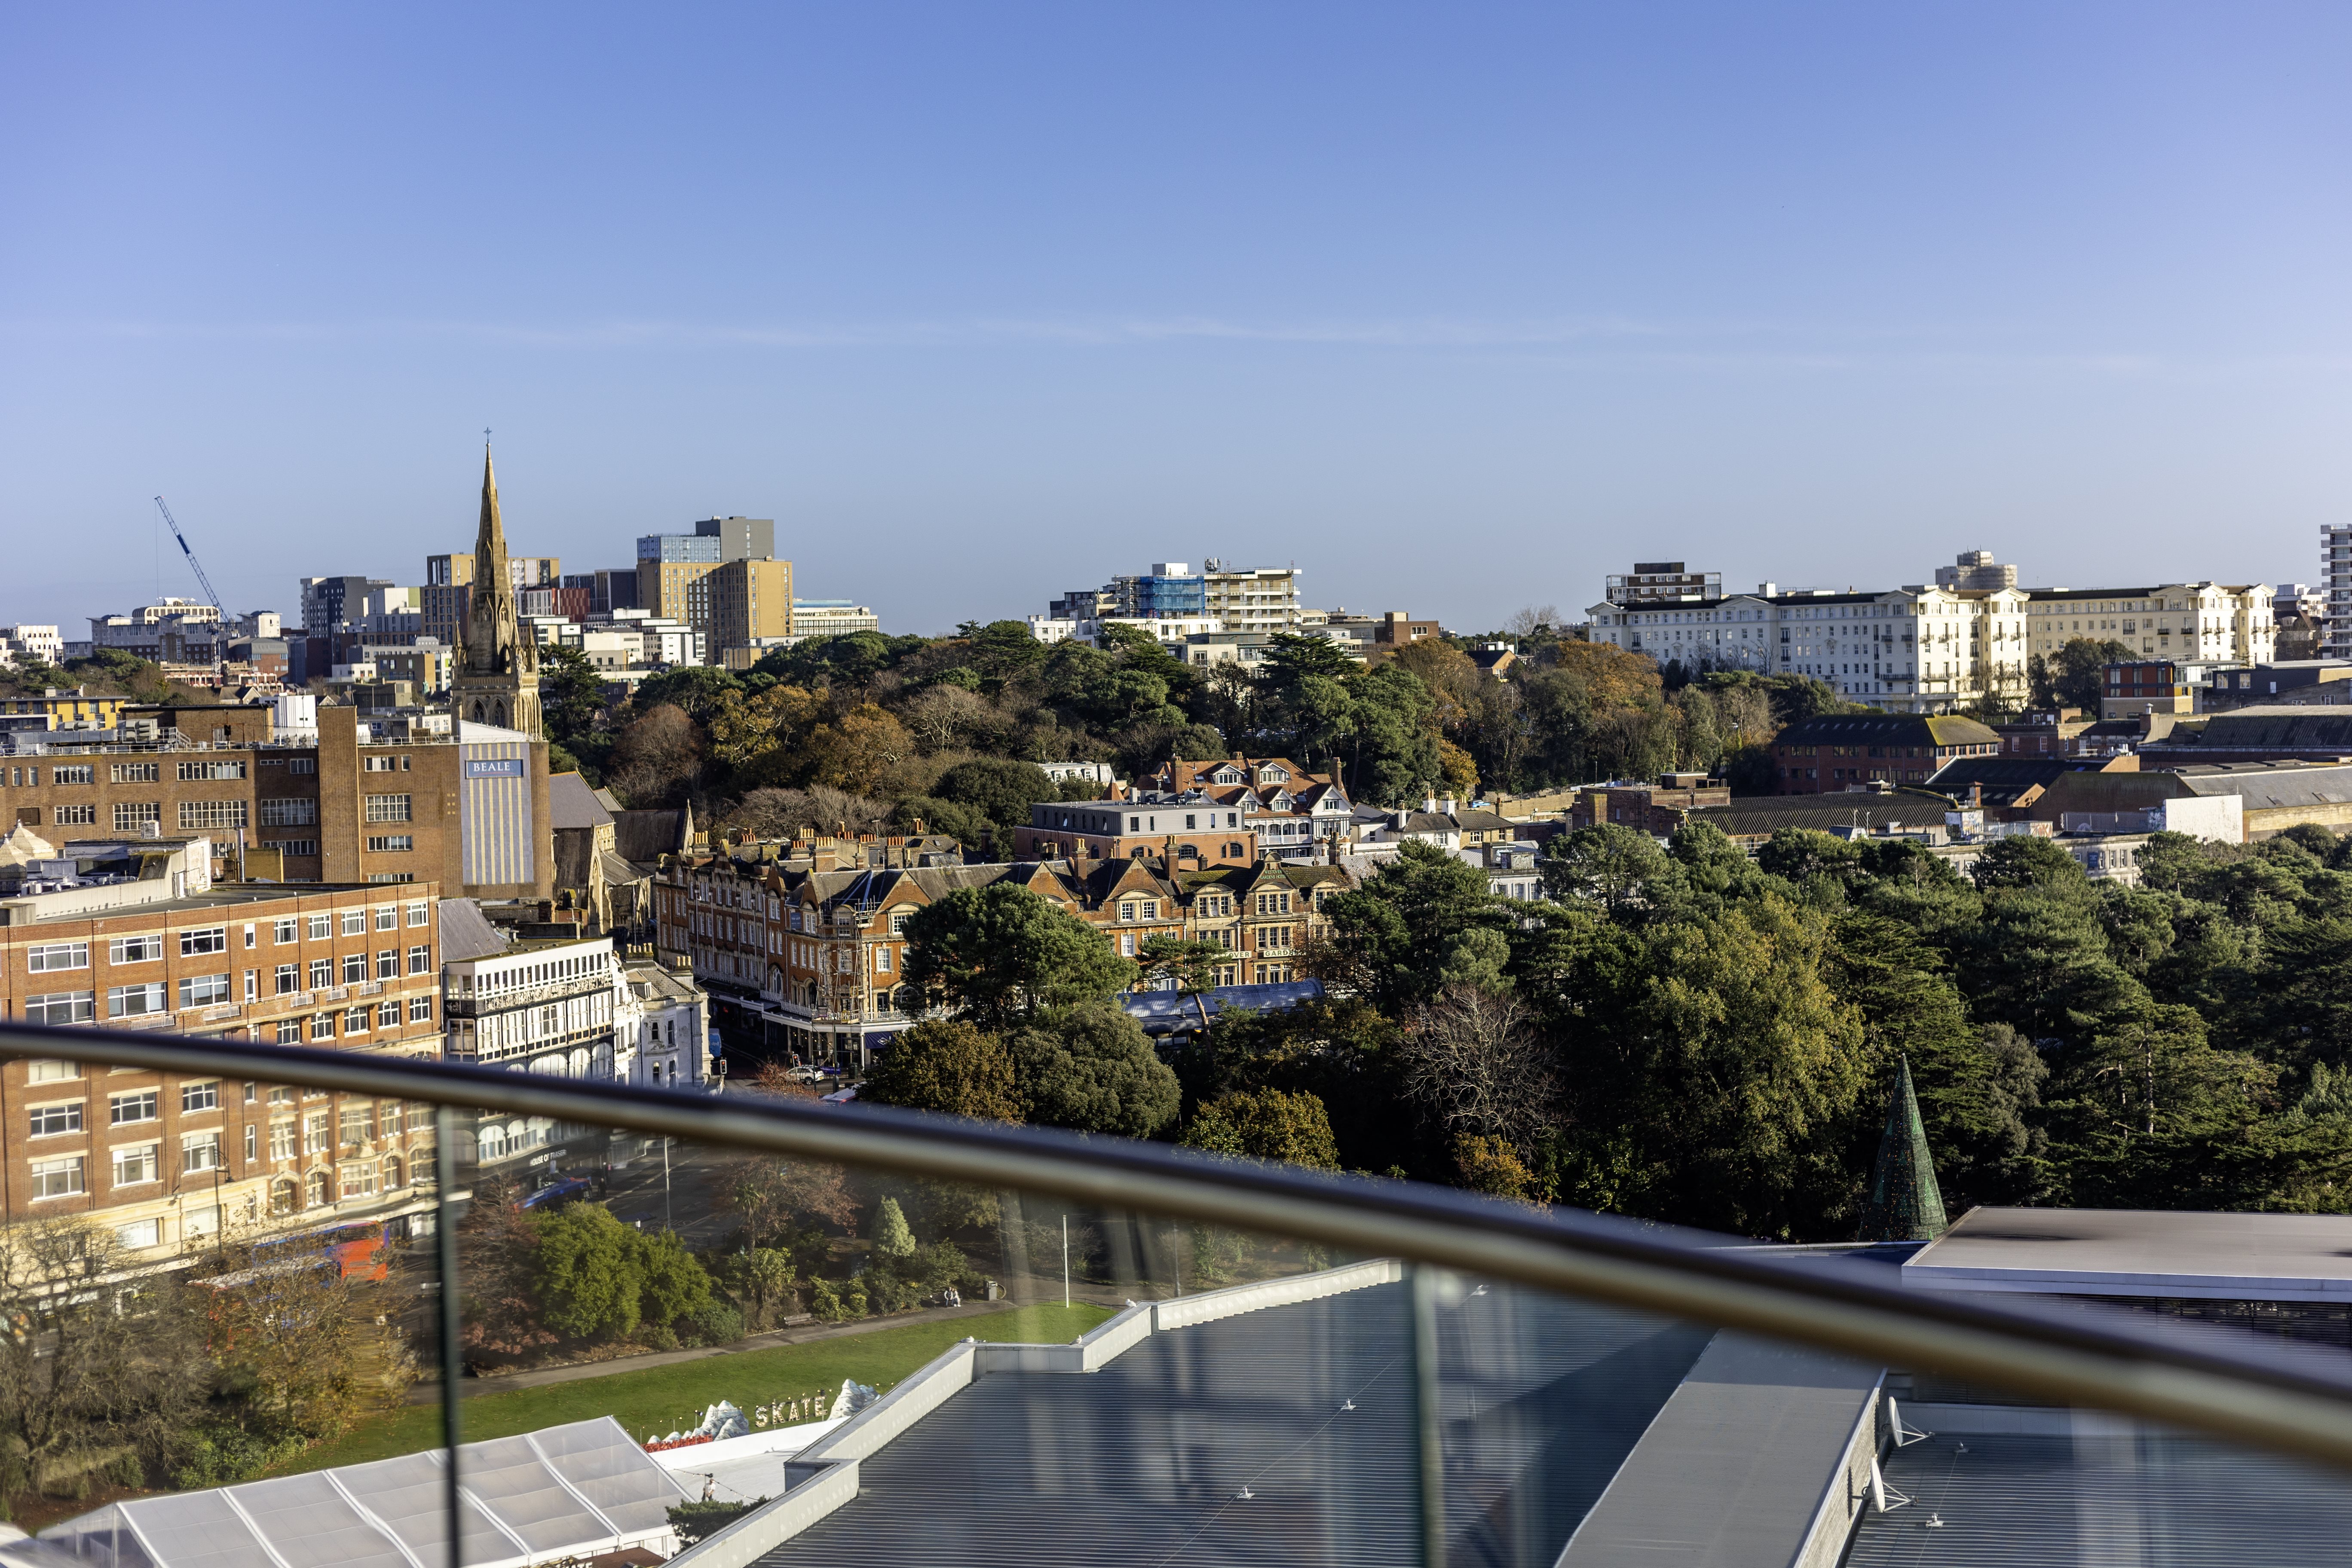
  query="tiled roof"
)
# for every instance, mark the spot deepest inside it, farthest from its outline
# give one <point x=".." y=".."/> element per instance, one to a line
<point x="571" y="803"/>
<point x="1752" y="816"/>
<point x="1888" y="729"/>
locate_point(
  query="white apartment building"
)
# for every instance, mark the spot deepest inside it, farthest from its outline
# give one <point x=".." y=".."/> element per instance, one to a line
<point x="539" y="1006"/>
<point x="2191" y="622"/>
<point x="2335" y="580"/>
<point x="1907" y="650"/>
<point x="661" y="1019"/>
<point x="832" y="619"/>
<point x="1169" y="631"/>
<point x="26" y="643"/>
<point x="569" y="1008"/>
<point x="1260" y="599"/>
<point x="1922" y="649"/>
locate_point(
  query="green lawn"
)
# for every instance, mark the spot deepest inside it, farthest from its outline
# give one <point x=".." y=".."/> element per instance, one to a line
<point x="672" y="1398"/>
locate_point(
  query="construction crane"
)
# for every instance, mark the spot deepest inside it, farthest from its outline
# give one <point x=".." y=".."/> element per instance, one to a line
<point x="211" y="597"/>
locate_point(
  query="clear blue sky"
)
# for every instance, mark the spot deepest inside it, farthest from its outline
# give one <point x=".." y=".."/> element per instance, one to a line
<point x="1457" y="307"/>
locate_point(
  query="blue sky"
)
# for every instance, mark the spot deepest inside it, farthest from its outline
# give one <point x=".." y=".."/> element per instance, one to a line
<point x="1457" y="308"/>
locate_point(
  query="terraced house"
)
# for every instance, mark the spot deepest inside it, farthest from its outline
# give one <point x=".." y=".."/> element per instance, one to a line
<point x="815" y="961"/>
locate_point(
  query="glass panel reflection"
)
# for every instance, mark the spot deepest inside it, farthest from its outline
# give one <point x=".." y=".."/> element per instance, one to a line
<point x="688" y="1350"/>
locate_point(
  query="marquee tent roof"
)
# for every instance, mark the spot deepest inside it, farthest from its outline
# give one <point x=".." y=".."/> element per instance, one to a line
<point x="575" y="1490"/>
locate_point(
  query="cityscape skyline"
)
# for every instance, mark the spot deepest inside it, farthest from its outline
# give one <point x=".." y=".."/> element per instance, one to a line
<point x="1312" y="287"/>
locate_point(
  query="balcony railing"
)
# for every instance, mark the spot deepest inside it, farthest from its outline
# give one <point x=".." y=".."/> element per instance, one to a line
<point x="2220" y="1386"/>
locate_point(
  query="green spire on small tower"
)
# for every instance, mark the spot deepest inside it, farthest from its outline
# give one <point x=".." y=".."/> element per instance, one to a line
<point x="1904" y="1204"/>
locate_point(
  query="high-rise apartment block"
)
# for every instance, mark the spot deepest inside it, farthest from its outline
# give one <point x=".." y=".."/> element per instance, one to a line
<point x="749" y="600"/>
<point x="1663" y="582"/>
<point x="1253" y="599"/>
<point x="679" y="578"/>
<point x="669" y="568"/>
<point x="445" y="601"/>
<point x="1975" y="569"/>
<point x="740" y="538"/>
<point x="2336" y="572"/>
<point x="1171" y="588"/>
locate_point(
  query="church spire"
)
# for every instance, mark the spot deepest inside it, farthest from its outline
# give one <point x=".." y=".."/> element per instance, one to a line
<point x="491" y="539"/>
<point x="1904" y="1204"/>
<point x="497" y="679"/>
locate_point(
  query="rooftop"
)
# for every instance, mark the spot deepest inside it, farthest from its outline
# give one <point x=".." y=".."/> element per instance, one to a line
<point x="2009" y="1500"/>
<point x="2134" y="1252"/>
<point x="1271" y="1434"/>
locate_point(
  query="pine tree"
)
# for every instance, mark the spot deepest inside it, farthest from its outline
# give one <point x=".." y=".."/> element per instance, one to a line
<point x="893" y="1238"/>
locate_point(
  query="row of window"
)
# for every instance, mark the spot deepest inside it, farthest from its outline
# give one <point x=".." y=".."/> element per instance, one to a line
<point x="289" y="976"/>
<point x="355" y="1020"/>
<point x="211" y="991"/>
<point x="134" y="815"/>
<point x="122" y="1109"/>
<point x="147" y="947"/>
<point x="65" y="1178"/>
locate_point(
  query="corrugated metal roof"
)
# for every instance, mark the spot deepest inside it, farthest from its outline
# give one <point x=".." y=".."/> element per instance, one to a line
<point x="2262" y="786"/>
<point x="2145" y="1501"/>
<point x="1144" y="1460"/>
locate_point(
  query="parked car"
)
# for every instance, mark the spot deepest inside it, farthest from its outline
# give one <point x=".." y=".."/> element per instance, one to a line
<point x="806" y="1075"/>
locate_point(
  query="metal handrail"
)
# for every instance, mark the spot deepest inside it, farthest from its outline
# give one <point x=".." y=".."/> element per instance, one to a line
<point x="2070" y="1355"/>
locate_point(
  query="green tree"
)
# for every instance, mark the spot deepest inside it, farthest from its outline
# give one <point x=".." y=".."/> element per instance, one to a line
<point x="1421" y="922"/>
<point x="1002" y="647"/>
<point x="1977" y="1086"/>
<point x="589" y="1278"/>
<point x="1193" y="967"/>
<point x="761" y="1279"/>
<point x="1092" y="1069"/>
<point x="998" y="788"/>
<point x="2077" y="675"/>
<point x="570" y="695"/>
<point x="671" y="1284"/>
<point x="1266" y="1124"/>
<point x="1391" y="742"/>
<point x="695" y="688"/>
<point x="892" y="1235"/>
<point x="2023" y="860"/>
<point x="1607" y="866"/>
<point x="1712" y="1073"/>
<point x="951" y="1067"/>
<point x="1000" y="954"/>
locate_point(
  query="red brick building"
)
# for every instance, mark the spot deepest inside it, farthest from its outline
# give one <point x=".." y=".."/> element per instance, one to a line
<point x="168" y="1161"/>
<point x="1843" y="751"/>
